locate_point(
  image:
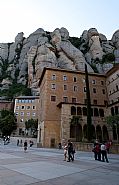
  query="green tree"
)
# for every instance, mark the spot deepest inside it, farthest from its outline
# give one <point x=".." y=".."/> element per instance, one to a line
<point x="7" y="122"/>
<point x="32" y="124"/>
<point x="89" y="118"/>
<point x="113" y="121"/>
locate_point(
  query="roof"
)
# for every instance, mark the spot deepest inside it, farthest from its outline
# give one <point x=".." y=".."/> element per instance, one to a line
<point x="112" y="70"/>
<point x="27" y="97"/>
<point x="66" y="70"/>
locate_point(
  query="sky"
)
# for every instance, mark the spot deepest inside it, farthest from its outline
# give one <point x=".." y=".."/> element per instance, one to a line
<point x="76" y="15"/>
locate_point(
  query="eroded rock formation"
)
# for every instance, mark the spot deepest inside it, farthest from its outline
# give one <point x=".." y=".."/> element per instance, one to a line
<point x="23" y="60"/>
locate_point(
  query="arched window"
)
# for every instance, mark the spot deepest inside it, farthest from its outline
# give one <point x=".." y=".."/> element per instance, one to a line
<point x="73" y="110"/>
<point x="93" y="132"/>
<point x="79" y="111"/>
<point x="114" y="133"/>
<point x="105" y="133"/>
<point x="85" y="131"/>
<point x="112" y="111"/>
<point x="99" y="133"/>
<point x="84" y="111"/>
<point x="101" y="112"/>
<point x="96" y="113"/>
<point x="116" y="110"/>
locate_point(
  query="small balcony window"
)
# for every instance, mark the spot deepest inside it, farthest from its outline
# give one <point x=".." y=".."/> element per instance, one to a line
<point x="53" y="77"/>
<point x="75" y="79"/>
<point x="65" y="87"/>
<point x="64" y="77"/>
<point x="53" y="86"/>
<point x="65" y="99"/>
<point x="53" y="98"/>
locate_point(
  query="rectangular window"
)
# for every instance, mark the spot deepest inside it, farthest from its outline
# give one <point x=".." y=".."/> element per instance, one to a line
<point x="30" y="101"/>
<point x="17" y="107"/>
<point x="93" y="82"/>
<point x="21" y="120"/>
<point x="53" y="77"/>
<point x="73" y="100"/>
<point x="26" y="101"/>
<point x="95" y="102"/>
<point x="65" y="99"/>
<point x="102" y="82"/>
<point x="23" y="101"/>
<point x="65" y="87"/>
<point x="22" y="107"/>
<point x="75" y="88"/>
<point x="84" y="89"/>
<point x="94" y="90"/>
<point x="33" y="114"/>
<point x="103" y="91"/>
<point x="22" y="113"/>
<point x="75" y="79"/>
<point x="28" y="107"/>
<point x="53" y="98"/>
<point x="64" y="77"/>
<point x="16" y="113"/>
<point x="53" y="86"/>
<point x="28" y="113"/>
<point x="117" y="87"/>
<point x="33" y="107"/>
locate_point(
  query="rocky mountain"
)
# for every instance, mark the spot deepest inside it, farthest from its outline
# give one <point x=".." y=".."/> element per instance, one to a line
<point x="22" y="61"/>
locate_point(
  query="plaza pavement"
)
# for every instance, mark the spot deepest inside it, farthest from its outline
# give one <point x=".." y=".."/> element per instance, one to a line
<point x="40" y="166"/>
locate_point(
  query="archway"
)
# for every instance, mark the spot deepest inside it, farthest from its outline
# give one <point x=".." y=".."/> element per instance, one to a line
<point x="105" y="133"/>
<point x="79" y="111"/>
<point x="99" y="133"/>
<point x="114" y="132"/>
<point x="73" y="110"/>
<point x="76" y="132"/>
<point x="93" y="132"/>
<point x="85" y="131"/>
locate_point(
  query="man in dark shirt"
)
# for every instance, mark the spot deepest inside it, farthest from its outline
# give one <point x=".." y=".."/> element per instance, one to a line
<point x="70" y="151"/>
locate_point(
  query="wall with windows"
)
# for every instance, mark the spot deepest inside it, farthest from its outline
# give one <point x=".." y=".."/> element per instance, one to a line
<point x="7" y="105"/>
<point x="26" y="107"/>
<point x="61" y="86"/>
<point x="77" y="131"/>
<point x="112" y="83"/>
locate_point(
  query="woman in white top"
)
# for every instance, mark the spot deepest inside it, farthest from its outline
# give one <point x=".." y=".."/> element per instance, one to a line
<point x="104" y="152"/>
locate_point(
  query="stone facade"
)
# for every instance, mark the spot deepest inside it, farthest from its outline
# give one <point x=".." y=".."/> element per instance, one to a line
<point x="25" y="108"/>
<point x="62" y="90"/>
<point x="6" y="105"/>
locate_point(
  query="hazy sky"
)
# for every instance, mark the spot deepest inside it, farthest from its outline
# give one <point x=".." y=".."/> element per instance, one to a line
<point x="76" y="15"/>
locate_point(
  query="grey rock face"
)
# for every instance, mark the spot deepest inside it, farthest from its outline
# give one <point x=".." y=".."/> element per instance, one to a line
<point x="64" y="33"/>
<point x="3" y="51"/>
<point x="115" y="39"/>
<point x="29" y="56"/>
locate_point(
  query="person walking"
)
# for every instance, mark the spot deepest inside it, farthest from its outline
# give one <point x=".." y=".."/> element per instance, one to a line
<point x="70" y="151"/>
<point x="25" y="146"/>
<point x="17" y="142"/>
<point x="104" y="152"/>
<point x="65" y="152"/>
